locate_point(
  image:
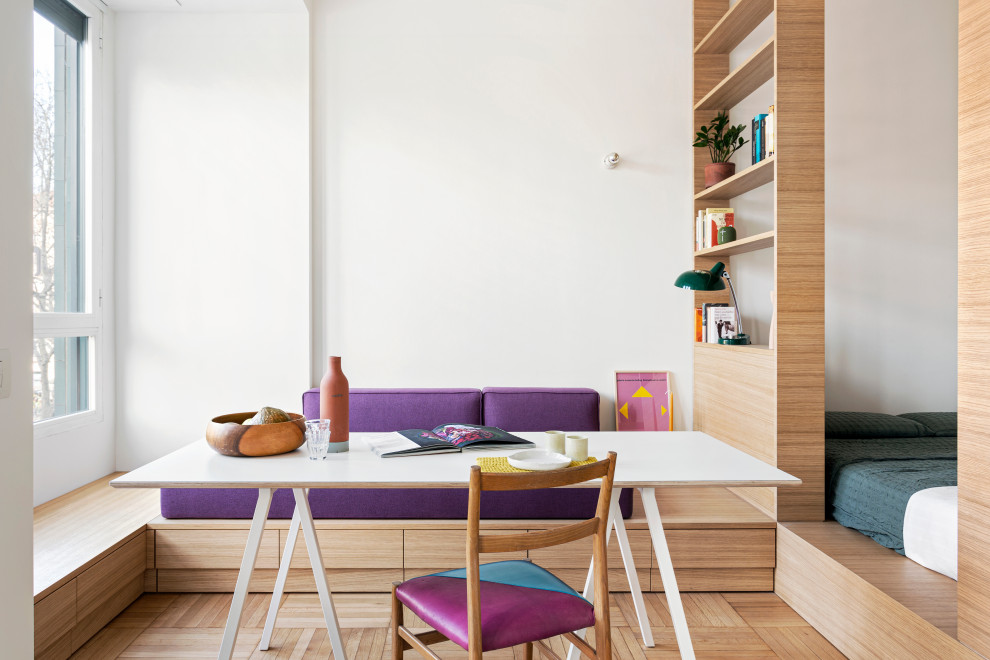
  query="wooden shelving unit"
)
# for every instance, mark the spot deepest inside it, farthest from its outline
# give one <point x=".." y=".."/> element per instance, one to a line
<point x="750" y="178"/>
<point x="740" y="246"/>
<point x="738" y="396"/>
<point x="742" y="82"/>
<point x="735" y="26"/>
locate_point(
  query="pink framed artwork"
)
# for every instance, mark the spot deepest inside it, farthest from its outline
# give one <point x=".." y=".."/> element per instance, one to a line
<point x="643" y="401"/>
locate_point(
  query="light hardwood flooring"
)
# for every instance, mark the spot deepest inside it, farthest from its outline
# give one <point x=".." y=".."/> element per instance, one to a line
<point x="729" y="625"/>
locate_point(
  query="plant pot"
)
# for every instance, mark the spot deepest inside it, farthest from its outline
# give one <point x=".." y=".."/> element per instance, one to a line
<point x="716" y="172"/>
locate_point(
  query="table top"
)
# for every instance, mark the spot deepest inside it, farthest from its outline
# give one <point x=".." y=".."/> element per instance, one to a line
<point x="645" y="459"/>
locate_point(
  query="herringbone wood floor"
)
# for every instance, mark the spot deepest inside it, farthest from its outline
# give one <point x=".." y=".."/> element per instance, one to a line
<point x="729" y="625"/>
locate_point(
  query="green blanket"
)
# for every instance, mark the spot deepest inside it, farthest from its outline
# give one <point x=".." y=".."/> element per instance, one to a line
<point x="869" y="481"/>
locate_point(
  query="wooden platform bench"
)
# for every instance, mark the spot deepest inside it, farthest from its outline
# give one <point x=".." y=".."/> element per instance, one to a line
<point x="98" y="548"/>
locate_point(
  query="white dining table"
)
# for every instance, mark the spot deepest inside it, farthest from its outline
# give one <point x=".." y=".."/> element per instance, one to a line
<point x="646" y="461"/>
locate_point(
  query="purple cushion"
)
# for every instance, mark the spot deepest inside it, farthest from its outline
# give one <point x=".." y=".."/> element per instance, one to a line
<point x="540" y="408"/>
<point x="520" y="602"/>
<point x="382" y="410"/>
<point x="386" y="504"/>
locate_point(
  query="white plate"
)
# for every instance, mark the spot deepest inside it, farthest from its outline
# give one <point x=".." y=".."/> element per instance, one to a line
<point x="538" y="459"/>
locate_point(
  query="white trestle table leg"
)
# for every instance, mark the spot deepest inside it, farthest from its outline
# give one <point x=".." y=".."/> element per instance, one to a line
<point x="316" y="561"/>
<point x="615" y="519"/>
<point x="667" y="573"/>
<point x="244" y="575"/>
<point x="283" y="573"/>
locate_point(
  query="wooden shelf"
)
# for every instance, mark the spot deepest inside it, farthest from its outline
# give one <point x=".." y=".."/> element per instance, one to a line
<point x="758" y="349"/>
<point x="742" y="82"/>
<point x="741" y="19"/>
<point x="740" y="246"/>
<point x="750" y="178"/>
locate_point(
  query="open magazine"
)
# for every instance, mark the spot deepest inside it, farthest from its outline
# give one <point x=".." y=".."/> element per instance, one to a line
<point x="442" y="439"/>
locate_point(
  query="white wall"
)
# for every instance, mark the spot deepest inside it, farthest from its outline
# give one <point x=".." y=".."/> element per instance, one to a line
<point x="890" y="202"/>
<point x="16" y="611"/>
<point x="471" y="236"/>
<point x="212" y="222"/>
<point x="68" y="459"/>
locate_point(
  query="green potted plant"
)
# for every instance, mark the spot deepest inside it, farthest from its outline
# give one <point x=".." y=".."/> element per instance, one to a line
<point x="722" y="141"/>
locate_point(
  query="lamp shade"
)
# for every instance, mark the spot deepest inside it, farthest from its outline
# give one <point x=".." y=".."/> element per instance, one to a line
<point x="702" y="280"/>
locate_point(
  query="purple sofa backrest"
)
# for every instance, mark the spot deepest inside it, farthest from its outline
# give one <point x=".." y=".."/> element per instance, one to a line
<point x="540" y="408"/>
<point x="383" y="410"/>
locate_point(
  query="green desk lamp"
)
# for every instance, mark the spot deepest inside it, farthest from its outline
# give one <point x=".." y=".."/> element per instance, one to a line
<point x="711" y="280"/>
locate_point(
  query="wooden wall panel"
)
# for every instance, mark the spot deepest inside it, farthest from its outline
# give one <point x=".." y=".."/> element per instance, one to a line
<point x="735" y="400"/>
<point x="800" y="255"/>
<point x="974" y="318"/>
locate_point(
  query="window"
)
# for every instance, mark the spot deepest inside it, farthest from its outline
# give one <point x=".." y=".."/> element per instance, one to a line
<point x="66" y="299"/>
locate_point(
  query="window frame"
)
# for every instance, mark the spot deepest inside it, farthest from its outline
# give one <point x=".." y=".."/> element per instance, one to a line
<point x="90" y="322"/>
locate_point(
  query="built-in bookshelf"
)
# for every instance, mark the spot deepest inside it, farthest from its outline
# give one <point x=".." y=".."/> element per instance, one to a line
<point x="769" y="401"/>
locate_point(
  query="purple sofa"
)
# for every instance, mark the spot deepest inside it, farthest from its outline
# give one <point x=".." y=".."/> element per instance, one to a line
<point x="381" y="410"/>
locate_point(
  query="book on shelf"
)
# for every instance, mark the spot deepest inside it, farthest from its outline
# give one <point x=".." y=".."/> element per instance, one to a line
<point x="698" y="325"/>
<point x="442" y="439"/>
<point x="699" y="231"/>
<point x="721" y="323"/>
<point x="759" y="138"/>
<point x="705" y="308"/>
<point x="770" y="133"/>
<point x="716" y="218"/>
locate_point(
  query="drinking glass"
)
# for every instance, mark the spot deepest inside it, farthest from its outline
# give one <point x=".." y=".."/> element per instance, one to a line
<point x="317" y="438"/>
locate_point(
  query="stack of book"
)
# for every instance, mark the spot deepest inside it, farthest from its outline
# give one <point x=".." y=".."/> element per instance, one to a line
<point x="763" y="140"/>
<point x="714" y="321"/>
<point x="707" y="224"/>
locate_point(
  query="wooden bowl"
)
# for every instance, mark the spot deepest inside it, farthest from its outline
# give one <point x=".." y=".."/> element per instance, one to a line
<point x="228" y="436"/>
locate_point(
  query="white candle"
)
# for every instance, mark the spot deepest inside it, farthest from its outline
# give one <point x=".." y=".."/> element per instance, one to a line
<point x="577" y="447"/>
<point x="555" y="441"/>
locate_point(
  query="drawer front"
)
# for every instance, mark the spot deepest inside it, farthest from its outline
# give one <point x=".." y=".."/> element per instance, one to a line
<point x="721" y="548"/>
<point x="211" y="548"/>
<point x="346" y="548"/>
<point x="445" y="549"/>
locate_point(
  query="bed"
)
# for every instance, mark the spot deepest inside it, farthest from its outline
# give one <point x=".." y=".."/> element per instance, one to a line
<point x="886" y="477"/>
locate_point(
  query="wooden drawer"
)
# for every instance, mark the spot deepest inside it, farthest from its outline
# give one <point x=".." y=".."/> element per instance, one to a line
<point x="717" y="579"/>
<point x="211" y="548"/>
<point x="54" y="617"/>
<point x="444" y="549"/>
<point x="577" y="554"/>
<point x="345" y="548"/>
<point x="377" y="580"/>
<point x="107" y="588"/>
<point x="720" y="548"/>
<point x="575" y="578"/>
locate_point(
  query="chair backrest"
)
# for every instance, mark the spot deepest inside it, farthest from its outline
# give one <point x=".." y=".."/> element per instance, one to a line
<point x="478" y="543"/>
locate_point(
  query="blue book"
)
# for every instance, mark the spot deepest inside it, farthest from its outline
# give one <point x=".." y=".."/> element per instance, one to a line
<point x="758" y="150"/>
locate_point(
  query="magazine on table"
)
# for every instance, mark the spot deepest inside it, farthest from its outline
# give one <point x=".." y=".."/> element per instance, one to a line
<point x="443" y="439"/>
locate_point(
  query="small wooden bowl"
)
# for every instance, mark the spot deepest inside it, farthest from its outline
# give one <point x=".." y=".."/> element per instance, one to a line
<point x="228" y="436"/>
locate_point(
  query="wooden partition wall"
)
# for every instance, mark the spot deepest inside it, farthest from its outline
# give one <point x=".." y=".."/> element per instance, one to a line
<point x="974" y="322"/>
<point x="770" y="402"/>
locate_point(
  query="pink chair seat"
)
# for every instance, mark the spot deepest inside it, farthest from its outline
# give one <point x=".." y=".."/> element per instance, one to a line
<point x="520" y="602"/>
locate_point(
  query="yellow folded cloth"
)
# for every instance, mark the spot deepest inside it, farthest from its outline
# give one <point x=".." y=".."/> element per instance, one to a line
<point x="501" y="464"/>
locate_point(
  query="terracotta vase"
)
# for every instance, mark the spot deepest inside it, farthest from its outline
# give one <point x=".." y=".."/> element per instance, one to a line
<point x="334" y="404"/>
<point x="716" y="172"/>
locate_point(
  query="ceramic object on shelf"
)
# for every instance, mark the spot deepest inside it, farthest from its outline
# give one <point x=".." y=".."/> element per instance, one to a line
<point x="334" y="404"/>
<point x="538" y="459"/>
<point x="228" y="435"/>
<point x="726" y="235"/>
<point x="718" y="172"/>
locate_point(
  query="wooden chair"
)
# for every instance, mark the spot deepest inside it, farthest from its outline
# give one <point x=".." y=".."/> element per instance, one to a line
<point x="506" y="603"/>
